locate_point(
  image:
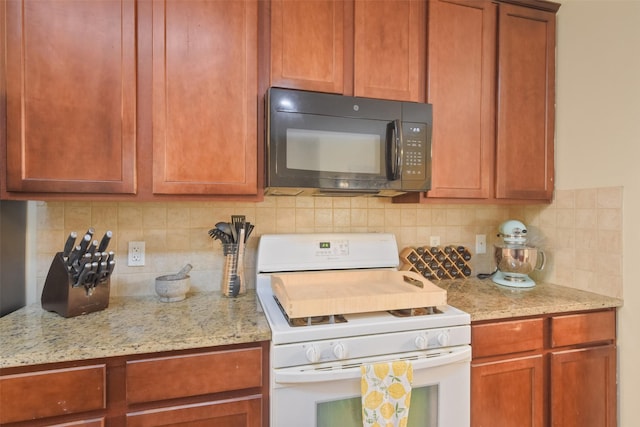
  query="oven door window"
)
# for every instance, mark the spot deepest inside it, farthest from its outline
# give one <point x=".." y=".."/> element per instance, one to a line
<point x="423" y="411"/>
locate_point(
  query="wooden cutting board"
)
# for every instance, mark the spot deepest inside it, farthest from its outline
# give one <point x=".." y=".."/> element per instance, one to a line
<point x="344" y="292"/>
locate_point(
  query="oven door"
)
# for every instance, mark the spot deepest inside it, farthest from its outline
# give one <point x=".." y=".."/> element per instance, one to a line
<point x="328" y="395"/>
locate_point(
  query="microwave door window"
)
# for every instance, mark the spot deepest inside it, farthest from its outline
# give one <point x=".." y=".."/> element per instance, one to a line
<point x="333" y="152"/>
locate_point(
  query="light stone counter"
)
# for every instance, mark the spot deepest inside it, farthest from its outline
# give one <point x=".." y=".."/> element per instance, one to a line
<point x="485" y="300"/>
<point x="136" y="325"/>
<point x="132" y="325"/>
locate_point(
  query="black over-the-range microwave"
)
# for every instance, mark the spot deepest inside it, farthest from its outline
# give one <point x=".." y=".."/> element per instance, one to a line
<point x="335" y="145"/>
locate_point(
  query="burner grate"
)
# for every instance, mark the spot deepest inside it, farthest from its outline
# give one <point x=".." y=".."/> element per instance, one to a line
<point x="418" y="311"/>
<point x="311" y="321"/>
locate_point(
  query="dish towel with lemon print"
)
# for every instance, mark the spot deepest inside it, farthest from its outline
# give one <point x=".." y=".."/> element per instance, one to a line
<point x="386" y="394"/>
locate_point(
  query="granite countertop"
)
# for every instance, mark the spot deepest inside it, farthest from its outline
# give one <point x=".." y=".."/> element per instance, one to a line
<point x="485" y="300"/>
<point x="137" y="325"/>
<point x="131" y="325"/>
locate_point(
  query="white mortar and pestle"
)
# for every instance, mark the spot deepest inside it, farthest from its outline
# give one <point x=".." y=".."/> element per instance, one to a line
<point x="174" y="287"/>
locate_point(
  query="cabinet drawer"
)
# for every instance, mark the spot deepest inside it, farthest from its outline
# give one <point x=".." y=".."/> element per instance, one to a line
<point x="583" y="328"/>
<point x="514" y="336"/>
<point x="192" y="375"/>
<point x="50" y="393"/>
<point x="245" y="412"/>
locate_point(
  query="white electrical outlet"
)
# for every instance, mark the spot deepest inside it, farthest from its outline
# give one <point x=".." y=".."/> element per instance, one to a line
<point x="481" y="243"/>
<point x="434" y="241"/>
<point x="136" y="254"/>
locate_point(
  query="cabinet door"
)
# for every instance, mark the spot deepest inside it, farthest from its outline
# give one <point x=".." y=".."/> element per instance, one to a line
<point x="526" y="103"/>
<point x="307" y="44"/>
<point x="205" y="97"/>
<point x="583" y="387"/>
<point x="508" y="393"/>
<point x="389" y="49"/>
<point x="244" y="412"/>
<point x="461" y="87"/>
<point x="71" y="96"/>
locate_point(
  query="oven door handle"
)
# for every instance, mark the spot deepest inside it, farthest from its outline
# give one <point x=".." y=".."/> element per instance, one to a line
<point x="313" y="375"/>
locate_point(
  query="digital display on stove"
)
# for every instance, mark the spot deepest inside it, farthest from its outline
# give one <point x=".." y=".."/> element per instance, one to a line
<point x="325" y="245"/>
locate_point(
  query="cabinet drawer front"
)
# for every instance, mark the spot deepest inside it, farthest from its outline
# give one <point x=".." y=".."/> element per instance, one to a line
<point x="493" y="339"/>
<point x="583" y="328"/>
<point x="191" y="375"/>
<point x="243" y="412"/>
<point x="50" y="393"/>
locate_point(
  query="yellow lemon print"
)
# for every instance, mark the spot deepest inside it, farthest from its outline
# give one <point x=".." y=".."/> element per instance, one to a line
<point x="410" y="374"/>
<point x="373" y="400"/>
<point x="407" y="400"/>
<point x="364" y="386"/>
<point x="381" y="370"/>
<point x="399" y="368"/>
<point x="403" y="422"/>
<point x="386" y="410"/>
<point x="396" y="390"/>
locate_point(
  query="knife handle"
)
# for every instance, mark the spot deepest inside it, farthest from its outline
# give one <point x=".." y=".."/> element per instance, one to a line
<point x="84" y="243"/>
<point x="68" y="246"/>
<point x="105" y="241"/>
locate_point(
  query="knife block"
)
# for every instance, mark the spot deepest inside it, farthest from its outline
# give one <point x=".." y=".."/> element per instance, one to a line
<point x="60" y="296"/>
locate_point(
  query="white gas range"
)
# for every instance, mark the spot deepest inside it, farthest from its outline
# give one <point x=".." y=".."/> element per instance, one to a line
<point x="315" y="362"/>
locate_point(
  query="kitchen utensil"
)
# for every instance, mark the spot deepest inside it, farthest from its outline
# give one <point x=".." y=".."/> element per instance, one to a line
<point x="225" y="227"/>
<point x="239" y="284"/>
<point x="515" y="260"/>
<point x="218" y="234"/>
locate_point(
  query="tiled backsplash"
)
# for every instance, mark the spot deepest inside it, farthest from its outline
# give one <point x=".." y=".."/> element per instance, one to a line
<point x="581" y="233"/>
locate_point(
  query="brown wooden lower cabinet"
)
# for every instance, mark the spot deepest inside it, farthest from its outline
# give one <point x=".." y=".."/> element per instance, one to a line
<point x="243" y="412"/>
<point x="508" y="393"/>
<point x="551" y="370"/>
<point x="221" y="386"/>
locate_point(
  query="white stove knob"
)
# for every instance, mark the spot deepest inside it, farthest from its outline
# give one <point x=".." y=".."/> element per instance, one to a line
<point x="421" y="342"/>
<point x="312" y="353"/>
<point x="443" y="338"/>
<point x="340" y="351"/>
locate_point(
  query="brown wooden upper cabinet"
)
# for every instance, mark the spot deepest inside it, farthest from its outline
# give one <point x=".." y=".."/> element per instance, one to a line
<point x="491" y="80"/>
<point x="353" y="47"/>
<point x="71" y="96"/>
<point x="130" y="99"/>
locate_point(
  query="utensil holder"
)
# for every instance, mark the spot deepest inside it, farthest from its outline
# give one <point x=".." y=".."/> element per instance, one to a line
<point x="59" y="294"/>
<point x="233" y="267"/>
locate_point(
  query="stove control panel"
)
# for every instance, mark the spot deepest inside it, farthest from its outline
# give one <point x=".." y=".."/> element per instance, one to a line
<point x="320" y="351"/>
<point x="332" y="248"/>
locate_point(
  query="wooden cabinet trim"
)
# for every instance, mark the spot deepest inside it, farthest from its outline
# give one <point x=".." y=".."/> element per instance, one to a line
<point x="41" y="394"/>
<point x="164" y="378"/>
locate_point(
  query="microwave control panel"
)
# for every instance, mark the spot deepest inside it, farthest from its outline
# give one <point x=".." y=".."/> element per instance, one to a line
<point x="416" y="151"/>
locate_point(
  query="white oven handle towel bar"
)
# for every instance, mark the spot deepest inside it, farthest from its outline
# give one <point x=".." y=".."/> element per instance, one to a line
<point x="351" y="369"/>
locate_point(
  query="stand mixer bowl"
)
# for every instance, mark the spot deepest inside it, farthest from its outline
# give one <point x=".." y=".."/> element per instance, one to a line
<point x="518" y="260"/>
